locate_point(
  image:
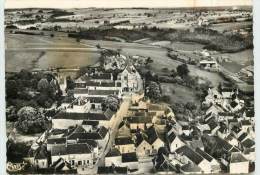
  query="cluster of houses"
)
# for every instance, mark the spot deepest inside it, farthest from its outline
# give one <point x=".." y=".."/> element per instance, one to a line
<point x="140" y="135"/>
<point x="81" y="130"/>
<point x="221" y="140"/>
<point x="143" y="136"/>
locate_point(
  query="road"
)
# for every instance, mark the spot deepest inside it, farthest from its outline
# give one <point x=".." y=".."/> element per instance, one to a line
<point x="112" y="134"/>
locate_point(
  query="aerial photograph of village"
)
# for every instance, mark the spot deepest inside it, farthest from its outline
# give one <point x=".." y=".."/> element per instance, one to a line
<point x="129" y="90"/>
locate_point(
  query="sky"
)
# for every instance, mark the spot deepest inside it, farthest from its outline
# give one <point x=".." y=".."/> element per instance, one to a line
<point x="121" y="3"/>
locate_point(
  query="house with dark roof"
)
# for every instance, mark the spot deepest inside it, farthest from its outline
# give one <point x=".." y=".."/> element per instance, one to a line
<point x="242" y="137"/>
<point x="238" y="164"/>
<point x="245" y="125"/>
<point x="247" y="144"/>
<point x="112" y="170"/>
<point x="75" y="154"/>
<point x="154" y="139"/>
<point x="249" y="114"/>
<point x="214" y="164"/>
<point x="100" y="136"/>
<point x="64" y="120"/>
<point x="130" y="161"/>
<point x="39" y="158"/>
<point x="174" y="142"/>
<point x="237" y="131"/>
<point x="231" y="139"/>
<point x="113" y="158"/>
<point x="140" y="122"/>
<point x="125" y="144"/>
<point x="95" y="93"/>
<point x="163" y="164"/>
<point x="143" y="147"/>
<point x="63" y="166"/>
<point x="185" y="152"/>
<point x="214" y="127"/>
<point x="90" y="125"/>
<point x="124" y="129"/>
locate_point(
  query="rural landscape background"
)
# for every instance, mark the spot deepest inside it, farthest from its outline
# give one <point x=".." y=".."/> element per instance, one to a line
<point x="166" y="45"/>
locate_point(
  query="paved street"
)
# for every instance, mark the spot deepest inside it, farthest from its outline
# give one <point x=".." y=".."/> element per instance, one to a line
<point x="112" y="134"/>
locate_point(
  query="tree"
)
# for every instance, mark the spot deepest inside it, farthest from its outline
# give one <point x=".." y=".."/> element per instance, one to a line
<point x="11" y="113"/>
<point x="98" y="46"/>
<point x="31" y="121"/>
<point x="183" y="70"/>
<point x="111" y="102"/>
<point x="190" y="106"/>
<point x="11" y="89"/>
<point x="43" y="85"/>
<point x="70" y="83"/>
<point x="148" y="60"/>
<point x="153" y="91"/>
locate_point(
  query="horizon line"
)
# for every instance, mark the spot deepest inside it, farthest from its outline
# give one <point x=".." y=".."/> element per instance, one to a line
<point x="15" y="4"/>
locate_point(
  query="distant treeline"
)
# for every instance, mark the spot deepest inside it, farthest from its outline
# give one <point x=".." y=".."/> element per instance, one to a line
<point x="213" y="40"/>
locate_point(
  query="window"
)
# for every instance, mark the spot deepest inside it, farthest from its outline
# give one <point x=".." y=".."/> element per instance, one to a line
<point x="84" y="162"/>
<point x="72" y="162"/>
<point x="79" y="162"/>
<point x="87" y="161"/>
<point x="144" y="148"/>
<point x="42" y="163"/>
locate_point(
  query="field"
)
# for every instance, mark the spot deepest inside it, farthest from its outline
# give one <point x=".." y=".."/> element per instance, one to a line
<point x="32" y="51"/>
<point x="231" y="26"/>
<point x="159" y="56"/>
<point x="181" y="94"/>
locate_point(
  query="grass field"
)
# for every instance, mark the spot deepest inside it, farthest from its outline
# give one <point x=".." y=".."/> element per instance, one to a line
<point x="181" y="94"/>
<point x="31" y="51"/>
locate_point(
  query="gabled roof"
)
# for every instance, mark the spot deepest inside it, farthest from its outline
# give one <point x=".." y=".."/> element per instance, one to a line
<point x="245" y="122"/>
<point x="112" y="170"/>
<point x="248" y="143"/>
<point x="99" y="135"/>
<point x="82" y="116"/>
<point x="242" y="137"/>
<point x="41" y="153"/>
<point x="151" y="134"/>
<point x="223" y="144"/>
<point x="140" y="137"/>
<point x="165" y="164"/>
<point x="129" y="157"/>
<point x="212" y="125"/>
<point x="79" y="129"/>
<point x="171" y="137"/>
<point x="139" y="119"/>
<point x="56" y="140"/>
<point x="204" y="155"/>
<point x="70" y="149"/>
<point x="114" y="152"/>
<point x="236" y="129"/>
<point x="90" y="122"/>
<point x="237" y="157"/>
<point x="196" y="144"/>
<point x="188" y="152"/>
<point x="124" y="141"/>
